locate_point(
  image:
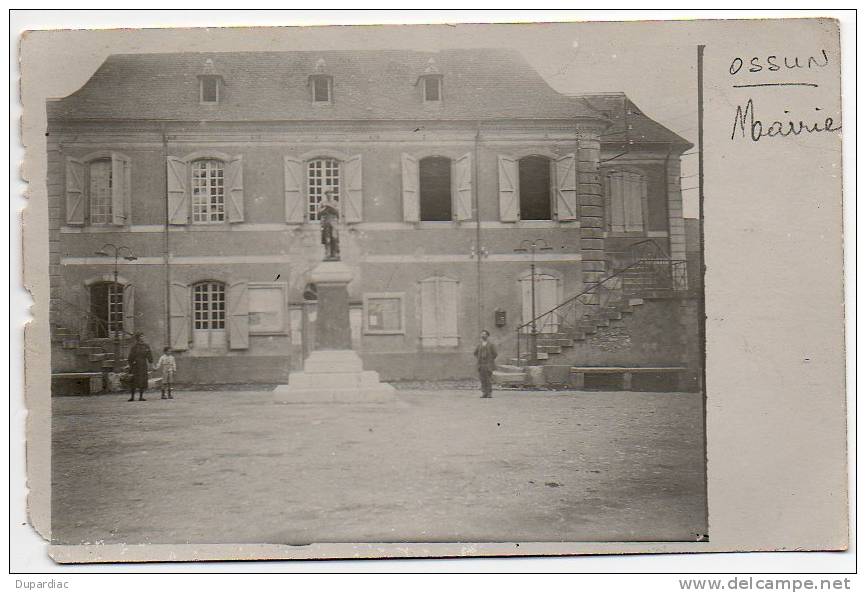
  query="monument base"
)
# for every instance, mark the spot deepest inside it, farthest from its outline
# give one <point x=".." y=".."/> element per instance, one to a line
<point x="334" y="376"/>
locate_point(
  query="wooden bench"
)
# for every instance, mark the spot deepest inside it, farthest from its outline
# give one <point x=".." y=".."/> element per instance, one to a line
<point x="578" y="374"/>
<point x="86" y="383"/>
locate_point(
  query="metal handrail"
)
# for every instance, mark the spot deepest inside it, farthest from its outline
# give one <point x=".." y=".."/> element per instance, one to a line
<point x="103" y="323"/>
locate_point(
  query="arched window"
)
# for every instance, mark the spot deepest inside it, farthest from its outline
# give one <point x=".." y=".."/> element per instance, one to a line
<point x="434" y="179"/>
<point x="535" y="196"/>
<point x="209" y="314"/>
<point x="99" y="185"/>
<point x="208" y="191"/>
<point x="322" y="175"/>
<point x="106" y="308"/>
<point x="625" y="193"/>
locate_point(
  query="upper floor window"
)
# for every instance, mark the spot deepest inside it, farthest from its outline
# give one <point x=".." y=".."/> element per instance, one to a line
<point x="99" y="191"/>
<point x="434" y="180"/>
<point x="322" y="86"/>
<point x="208" y="191"/>
<point x="323" y="175"/>
<point x="625" y="194"/>
<point x="535" y="194"/>
<point x="431" y="88"/>
<point x="209" y="89"/>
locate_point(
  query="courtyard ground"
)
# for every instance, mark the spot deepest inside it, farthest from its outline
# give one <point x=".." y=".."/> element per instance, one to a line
<point x="233" y="467"/>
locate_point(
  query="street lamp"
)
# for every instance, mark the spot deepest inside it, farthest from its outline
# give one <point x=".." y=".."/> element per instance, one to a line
<point x="116" y="249"/>
<point x="532" y="246"/>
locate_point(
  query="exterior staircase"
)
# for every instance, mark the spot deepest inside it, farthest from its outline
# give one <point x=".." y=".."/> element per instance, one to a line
<point x="81" y="364"/>
<point x="603" y="308"/>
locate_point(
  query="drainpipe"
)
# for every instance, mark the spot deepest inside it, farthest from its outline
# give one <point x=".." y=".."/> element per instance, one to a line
<point x="478" y="251"/>
<point x="667" y="194"/>
<point x="165" y="243"/>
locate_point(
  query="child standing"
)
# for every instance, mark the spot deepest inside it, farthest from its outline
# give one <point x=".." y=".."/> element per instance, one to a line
<point x="169" y="366"/>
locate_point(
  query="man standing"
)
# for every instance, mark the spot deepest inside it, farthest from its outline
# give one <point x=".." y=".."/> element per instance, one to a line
<point x="139" y="360"/>
<point x="485" y="354"/>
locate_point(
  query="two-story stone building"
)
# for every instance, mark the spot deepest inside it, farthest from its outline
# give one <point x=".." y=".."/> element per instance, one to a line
<point x="209" y="168"/>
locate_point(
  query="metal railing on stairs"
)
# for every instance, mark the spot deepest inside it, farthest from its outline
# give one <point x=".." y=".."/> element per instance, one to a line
<point x="645" y="268"/>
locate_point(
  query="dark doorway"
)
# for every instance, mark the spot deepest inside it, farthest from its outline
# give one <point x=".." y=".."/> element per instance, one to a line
<point x="106" y="308"/>
<point x="534" y="173"/>
<point x="434" y="175"/>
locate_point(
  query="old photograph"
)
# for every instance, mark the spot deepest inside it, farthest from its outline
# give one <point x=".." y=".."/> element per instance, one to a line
<point x="371" y="295"/>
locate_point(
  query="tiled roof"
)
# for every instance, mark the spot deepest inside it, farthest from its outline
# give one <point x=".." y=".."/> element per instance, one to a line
<point x="478" y="84"/>
<point x="629" y="122"/>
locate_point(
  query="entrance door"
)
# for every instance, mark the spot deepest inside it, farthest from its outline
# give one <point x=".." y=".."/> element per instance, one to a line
<point x="209" y="310"/>
<point x="106" y="308"/>
<point x="546" y="298"/>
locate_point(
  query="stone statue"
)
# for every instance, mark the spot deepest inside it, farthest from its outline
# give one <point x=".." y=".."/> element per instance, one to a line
<point x="329" y="214"/>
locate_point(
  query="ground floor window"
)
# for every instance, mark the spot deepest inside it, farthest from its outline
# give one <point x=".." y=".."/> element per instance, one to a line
<point x="106" y="308"/>
<point x="439" y="305"/>
<point x="546" y="298"/>
<point x="209" y="315"/>
<point x="383" y="313"/>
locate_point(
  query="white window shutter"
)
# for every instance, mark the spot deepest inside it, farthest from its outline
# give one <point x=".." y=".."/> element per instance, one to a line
<point x="429" y="324"/>
<point x="178" y="190"/>
<point x="179" y="323"/>
<point x="74" y="192"/>
<point x="120" y="189"/>
<point x="293" y="176"/>
<point x="463" y="188"/>
<point x="239" y="316"/>
<point x="566" y="188"/>
<point x="411" y="204"/>
<point x="353" y="200"/>
<point x="234" y="185"/>
<point x="129" y="308"/>
<point x="617" y="212"/>
<point x="509" y="189"/>
<point x="634" y="194"/>
<point x="447" y="312"/>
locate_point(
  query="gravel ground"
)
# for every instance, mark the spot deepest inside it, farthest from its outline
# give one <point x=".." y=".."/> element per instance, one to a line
<point x="233" y="467"/>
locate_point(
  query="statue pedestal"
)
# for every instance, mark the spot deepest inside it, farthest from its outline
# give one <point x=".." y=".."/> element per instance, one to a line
<point x="333" y="372"/>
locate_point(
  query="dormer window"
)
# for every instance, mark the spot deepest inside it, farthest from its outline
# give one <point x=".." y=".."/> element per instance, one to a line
<point x="209" y="89"/>
<point x="432" y="88"/>
<point x="322" y="86"/>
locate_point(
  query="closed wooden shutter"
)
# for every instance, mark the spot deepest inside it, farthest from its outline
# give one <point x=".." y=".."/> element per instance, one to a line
<point x="293" y="177"/>
<point x="74" y="192"/>
<point x="239" y="316"/>
<point x="509" y="189"/>
<point x="121" y="202"/>
<point x="439" y="312"/>
<point x="463" y="188"/>
<point x="178" y="190"/>
<point x="235" y="189"/>
<point x="353" y="188"/>
<point x="179" y="323"/>
<point x="566" y="188"/>
<point x="411" y="205"/>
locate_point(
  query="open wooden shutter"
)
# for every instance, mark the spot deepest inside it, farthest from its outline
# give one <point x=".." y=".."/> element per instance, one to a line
<point x="463" y="187"/>
<point x="353" y="192"/>
<point x="178" y="194"/>
<point x="429" y="324"/>
<point x="447" y="312"/>
<point x="566" y="188"/>
<point x="129" y="308"/>
<point x="293" y="176"/>
<point x="120" y="189"/>
<point x="411" y="204"/>
<point x="509" y="190"/>
<point x="179" y="325"/>
<point x="234" y="185"/>
<point x="239" y="316"/>
<point x="74" y="191"/>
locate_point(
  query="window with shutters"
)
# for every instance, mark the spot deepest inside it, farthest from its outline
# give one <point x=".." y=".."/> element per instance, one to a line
<point x="434" y="179"/>
<point x="99" y="191"/>
<point x="625" y="194"/>
<point x="209" y="314"/>
<point x="439" y="308"/>
<point x="208" y="191"/>
<point x="383" y="313"/>
<point x="106" y="308"/>
<point x="535" y="195"/>
<point x="323" y="175"/>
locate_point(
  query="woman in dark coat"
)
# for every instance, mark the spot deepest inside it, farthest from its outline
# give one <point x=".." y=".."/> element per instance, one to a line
<point x="139" y="360"/>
